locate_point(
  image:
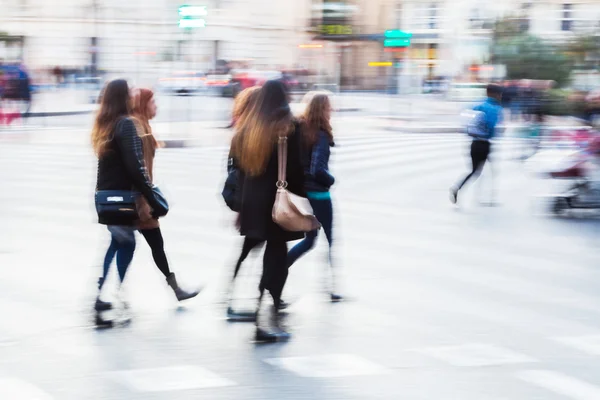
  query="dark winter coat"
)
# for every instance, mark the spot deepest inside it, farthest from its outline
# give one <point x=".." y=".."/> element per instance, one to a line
<point x="122" y="167"/>
<point x="258" y="195"/>
<point x="316" y="165"/>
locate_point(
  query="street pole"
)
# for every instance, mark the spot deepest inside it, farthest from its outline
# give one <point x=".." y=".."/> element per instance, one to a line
<point x="189" y="97"/>
<point x="95" y="38"/>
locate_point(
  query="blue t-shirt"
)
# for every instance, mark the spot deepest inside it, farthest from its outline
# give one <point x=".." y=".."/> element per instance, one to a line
<point x="493" y="114"/>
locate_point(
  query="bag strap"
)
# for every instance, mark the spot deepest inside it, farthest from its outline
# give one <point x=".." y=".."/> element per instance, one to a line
<point x="282" y="151"/>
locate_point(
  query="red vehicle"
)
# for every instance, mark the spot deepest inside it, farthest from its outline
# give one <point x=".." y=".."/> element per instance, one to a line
<point x="249" y="78"/>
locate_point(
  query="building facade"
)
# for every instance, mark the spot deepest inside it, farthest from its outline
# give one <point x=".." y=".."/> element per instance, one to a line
<point x="451" y="35"/>
<point x="335" y="38"/>
<point x="140" y="37"/>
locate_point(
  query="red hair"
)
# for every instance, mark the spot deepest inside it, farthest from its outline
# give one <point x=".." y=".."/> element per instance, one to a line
<point x="140" y="112"/>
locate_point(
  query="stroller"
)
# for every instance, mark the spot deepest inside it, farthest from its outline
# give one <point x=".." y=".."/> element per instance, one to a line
<point x="581" y="171"/>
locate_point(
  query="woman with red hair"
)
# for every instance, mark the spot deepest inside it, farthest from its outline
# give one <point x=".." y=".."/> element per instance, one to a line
<point x="144" y="110"/>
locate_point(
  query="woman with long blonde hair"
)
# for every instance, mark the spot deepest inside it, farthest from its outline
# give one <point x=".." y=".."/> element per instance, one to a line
<point x="317" y="136"/>
<point x="254" y="147"/>
<point x="242" y="104"/>
<point x="121" y="172"/>
<point x="144" y="110"/>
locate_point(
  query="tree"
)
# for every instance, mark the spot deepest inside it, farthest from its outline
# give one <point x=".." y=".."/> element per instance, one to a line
<point x="586" y="51"/>
<point x="528" y="57"/>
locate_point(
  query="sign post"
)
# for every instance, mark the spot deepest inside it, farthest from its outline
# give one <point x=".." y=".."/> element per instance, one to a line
<point x="190" y="18"/>
<point x="396" y="40"/>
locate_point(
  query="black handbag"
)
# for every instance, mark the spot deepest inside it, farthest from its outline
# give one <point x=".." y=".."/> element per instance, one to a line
<point x="231" y="190"/>
<point x="162" y="200"/>
<point x="116" y="205"/>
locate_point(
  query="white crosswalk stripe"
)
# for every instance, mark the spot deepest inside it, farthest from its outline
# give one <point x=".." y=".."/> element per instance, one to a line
<point x="565" y="385"/>
<point x="457" y="286"/>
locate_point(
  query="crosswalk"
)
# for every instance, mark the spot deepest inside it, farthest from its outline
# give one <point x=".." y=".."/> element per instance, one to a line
<point x="461" y="303"/>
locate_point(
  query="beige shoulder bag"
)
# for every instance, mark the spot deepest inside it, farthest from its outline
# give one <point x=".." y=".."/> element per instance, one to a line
<point x="292" y="213"/>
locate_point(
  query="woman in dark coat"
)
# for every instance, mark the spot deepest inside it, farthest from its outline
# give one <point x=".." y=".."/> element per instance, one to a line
<point x="121" y="167"/>
<point x="254" y="148"/>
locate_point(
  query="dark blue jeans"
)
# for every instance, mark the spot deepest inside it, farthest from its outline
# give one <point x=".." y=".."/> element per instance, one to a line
<point x="122" y="244"/>
<point x="323" y="210"/>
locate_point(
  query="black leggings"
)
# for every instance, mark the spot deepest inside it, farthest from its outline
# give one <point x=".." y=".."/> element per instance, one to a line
<point x="275" y="271"/>
<point x="249" y="244"/>
<point x="480" y="150"/>
<point x="156" y="243"/>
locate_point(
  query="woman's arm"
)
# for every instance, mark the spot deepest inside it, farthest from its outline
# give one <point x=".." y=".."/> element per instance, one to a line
<point x="319" y="162"/>
<point x="130" y="147"/>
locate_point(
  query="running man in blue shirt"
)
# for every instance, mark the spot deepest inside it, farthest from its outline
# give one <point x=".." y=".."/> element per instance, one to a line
<point x="480" y="147"/>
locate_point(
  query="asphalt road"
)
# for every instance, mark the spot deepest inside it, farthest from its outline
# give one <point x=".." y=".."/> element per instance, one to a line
<point x="466" y="302"/>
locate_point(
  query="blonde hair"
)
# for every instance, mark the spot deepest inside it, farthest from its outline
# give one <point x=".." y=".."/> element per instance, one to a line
<point x="243" y="101"/>
<point x="314" y="119"/>
<point x="268" y="117"/>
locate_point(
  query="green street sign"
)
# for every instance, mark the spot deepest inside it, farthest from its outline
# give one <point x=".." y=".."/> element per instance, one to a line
<point x="192" y="11"/>
<point x="190" y="16"/>
<point x="397" y="34"/>
<point x="192" y="23"/>
<point x="396" y="42"/>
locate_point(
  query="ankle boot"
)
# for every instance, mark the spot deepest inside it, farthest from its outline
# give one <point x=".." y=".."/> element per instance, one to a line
<point x="100" y="305"/>
<point x="179" y="292"/>
<point x="267" y="325"/>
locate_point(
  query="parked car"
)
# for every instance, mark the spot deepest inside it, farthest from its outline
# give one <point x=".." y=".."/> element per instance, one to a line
<point x="434" y="86"/>
<point x="222" y="84"/>
<point x="249" y="78"/>
<point x="183" y="82"/>
<point x="470" y="91"/>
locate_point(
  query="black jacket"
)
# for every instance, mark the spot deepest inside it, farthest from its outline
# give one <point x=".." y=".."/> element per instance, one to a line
<point x="122" y="167"/>
<point x="258" y="195"/>
<point x="316" y="165"/>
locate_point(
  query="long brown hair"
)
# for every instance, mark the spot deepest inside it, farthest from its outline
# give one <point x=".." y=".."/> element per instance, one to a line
<point x="257" y="130"/>
<point x="314" y="118"/>
<point x="114" y="104"/>
<point x="243" y="101"/>
<point x="140" y="112"/>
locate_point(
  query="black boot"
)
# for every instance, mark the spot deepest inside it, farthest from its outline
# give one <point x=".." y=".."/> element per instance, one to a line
<point x="240" y="316"/>
<point x="101" y="305"/>
<point x="101" y="322"/>
<point x="283" y="305"/>
<point x="267" y="325"/>
<point x="179" y="292"/>
<point x="335" y="298"/>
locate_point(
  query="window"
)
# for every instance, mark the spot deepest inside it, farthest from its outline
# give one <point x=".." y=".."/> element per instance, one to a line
<point x="427" y="16"/>
<point x="567" y="20"/>
<point x="398" y="15"/>
<point x="433" y="16"/>
<point x="524" y="20"/>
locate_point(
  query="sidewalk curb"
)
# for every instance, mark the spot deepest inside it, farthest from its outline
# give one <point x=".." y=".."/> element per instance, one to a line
<point x="424" y="129"/>
<point x="176" y="143"/>
<point x="42" y="114"/>
<point x="348" y="109"/>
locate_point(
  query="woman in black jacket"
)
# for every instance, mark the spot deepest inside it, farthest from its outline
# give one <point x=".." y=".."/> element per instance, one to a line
<point x="120" y="168"/>
<point x="254" y="147"/>
<point x="317" y="136"/>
